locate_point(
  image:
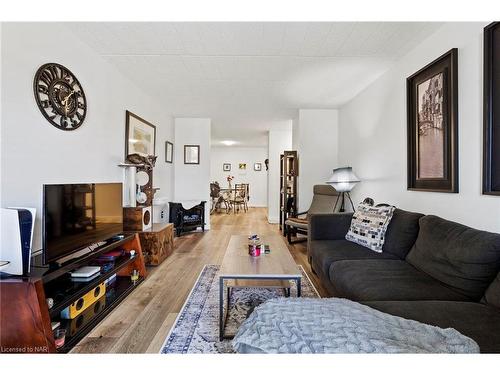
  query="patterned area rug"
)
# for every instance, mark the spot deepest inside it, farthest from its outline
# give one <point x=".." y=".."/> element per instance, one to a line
<point x="196" y="329"/>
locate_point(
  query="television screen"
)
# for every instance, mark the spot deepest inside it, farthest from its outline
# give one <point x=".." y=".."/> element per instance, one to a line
<point x="78" y="215"/>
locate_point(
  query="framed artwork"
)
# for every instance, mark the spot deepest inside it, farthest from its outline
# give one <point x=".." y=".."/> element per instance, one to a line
<point x="140" y="135"/>
<point x="257" y="167"/>
<point x="491" y="108"/>
<point x="226" y="167"/>
<point x="432" y="111"/>
<point x="191" y="154"/>
<point x="169" y="152"/>
<point x="242" y="166"/>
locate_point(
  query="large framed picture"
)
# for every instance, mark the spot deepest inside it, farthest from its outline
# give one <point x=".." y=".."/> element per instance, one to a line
<point x="432" y="116"/>
<point x="491" y="108"/>
<point x="140" y="136"/>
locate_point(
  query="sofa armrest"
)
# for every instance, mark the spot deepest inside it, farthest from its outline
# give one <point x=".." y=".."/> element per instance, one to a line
<point x="329" y="226"/>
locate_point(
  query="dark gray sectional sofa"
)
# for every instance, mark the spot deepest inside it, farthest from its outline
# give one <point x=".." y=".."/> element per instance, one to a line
<point x="431" y="270"/>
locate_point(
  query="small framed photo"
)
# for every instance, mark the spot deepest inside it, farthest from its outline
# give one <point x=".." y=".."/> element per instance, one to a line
<point x="226" y="167"/>
<point x="169" y="152"/>
<point x="257" y="167"/>
<point x="191" y="154"/>
<point x="242" y="166"/>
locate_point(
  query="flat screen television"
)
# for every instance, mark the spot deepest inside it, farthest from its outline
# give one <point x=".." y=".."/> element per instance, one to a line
<point x="76" y="216"/>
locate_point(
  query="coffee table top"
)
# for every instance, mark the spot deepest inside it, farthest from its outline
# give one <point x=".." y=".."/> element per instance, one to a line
<point x="278" y="263"/>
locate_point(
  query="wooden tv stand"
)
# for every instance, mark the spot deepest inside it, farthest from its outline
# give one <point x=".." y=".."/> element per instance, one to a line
<point x="25" y="318"/>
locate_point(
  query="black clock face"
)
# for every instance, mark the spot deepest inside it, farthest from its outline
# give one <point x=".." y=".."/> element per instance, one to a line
<point x="60" y="96"/>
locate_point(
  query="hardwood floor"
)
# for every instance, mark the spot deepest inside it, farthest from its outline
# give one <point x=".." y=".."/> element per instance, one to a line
<point x="142" y="321"/>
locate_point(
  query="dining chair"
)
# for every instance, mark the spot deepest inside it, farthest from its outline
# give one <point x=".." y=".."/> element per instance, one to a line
<point x="239" y="198"/>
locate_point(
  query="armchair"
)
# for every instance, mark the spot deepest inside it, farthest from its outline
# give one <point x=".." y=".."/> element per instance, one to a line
<point x="323" y="202"/>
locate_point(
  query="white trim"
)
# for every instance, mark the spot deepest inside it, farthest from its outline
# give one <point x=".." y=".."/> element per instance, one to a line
<point x="182" y="308"/>
<point x="273" y="219"/>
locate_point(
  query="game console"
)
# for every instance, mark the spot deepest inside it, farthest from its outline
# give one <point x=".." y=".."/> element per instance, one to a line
<point x="17" y="226"/>
<point x="85" y="272"/>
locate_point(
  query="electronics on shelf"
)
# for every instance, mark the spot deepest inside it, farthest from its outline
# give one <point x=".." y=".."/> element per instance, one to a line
<point x="87" y="315"/>
<point x="85" y="272"/>
<point x="17" y="225"/>
<point x="80" y="305"/>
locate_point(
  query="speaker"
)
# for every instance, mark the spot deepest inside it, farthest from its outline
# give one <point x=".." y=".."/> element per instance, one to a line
<point x="81" y="304"/>
<point x="87" y="315"/>
<point x="137" y="218"/>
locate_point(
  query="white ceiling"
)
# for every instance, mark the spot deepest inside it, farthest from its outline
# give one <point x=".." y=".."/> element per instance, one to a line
<point x="247" y="77"/>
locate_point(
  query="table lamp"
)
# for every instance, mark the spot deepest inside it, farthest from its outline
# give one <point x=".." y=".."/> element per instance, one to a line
<point x="343" y="180"/>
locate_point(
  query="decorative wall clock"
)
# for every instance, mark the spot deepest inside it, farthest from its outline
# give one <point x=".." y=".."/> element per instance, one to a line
<point x="60" y="96"/>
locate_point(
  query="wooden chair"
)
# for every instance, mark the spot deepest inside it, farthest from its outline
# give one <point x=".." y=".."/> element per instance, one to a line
<point x="215" y="196"/>
<point x="239" y="198"/>
<point x="225" y="196"/>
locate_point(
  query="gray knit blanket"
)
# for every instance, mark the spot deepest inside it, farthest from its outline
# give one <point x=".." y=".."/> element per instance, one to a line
<point x="335" y="325"/>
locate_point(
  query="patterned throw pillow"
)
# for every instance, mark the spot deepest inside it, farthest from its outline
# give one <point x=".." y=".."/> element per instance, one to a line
<point x="368" y="226"/>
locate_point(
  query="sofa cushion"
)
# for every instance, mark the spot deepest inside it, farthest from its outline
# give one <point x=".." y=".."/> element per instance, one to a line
<point x="492" y="295"/>
<point x="368" y="226"/>
<point x="466" y="259"/>
<point x="401" y="233"/>
<point x="475" y="320"/>
<point x="386" y="280"/>
<point x="328" y="251"/>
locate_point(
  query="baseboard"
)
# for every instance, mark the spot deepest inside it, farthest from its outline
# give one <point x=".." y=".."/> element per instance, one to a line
<point x="273" y="219"/>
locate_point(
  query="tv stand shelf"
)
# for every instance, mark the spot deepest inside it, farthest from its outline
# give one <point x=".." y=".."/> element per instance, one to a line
<point x="71" y="290"/>
<point x="76" y="329"/>
<point x="26" y="318"/>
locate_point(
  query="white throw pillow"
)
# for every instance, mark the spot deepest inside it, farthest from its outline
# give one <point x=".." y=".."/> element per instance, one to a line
<point x="368" y="226"/>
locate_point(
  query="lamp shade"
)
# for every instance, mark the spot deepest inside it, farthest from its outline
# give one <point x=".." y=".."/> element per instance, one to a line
<point x="343" y="179"/>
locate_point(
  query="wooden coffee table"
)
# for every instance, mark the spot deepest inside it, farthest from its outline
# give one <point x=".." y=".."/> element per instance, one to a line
<point x="240" y="270"/>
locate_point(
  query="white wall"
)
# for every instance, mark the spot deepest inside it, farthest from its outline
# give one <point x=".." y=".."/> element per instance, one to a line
<point x="234" y="156"/>
<point x="279" y="141"/>
<point x="373" y="133"/>
<point x="315" y="137"/>
<point x="192" y="181"/>
<point x="33" y="152"/>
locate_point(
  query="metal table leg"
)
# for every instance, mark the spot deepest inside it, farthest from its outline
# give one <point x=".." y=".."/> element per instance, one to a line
<point x="299" y="286"/>
<point x="221" y="308"/>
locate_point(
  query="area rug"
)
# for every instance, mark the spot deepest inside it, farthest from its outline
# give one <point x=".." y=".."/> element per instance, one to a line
<point x="196" y="329"/>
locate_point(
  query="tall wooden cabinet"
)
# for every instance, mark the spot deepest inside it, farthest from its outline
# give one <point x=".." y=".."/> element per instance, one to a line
<point x="289" y="171"/>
